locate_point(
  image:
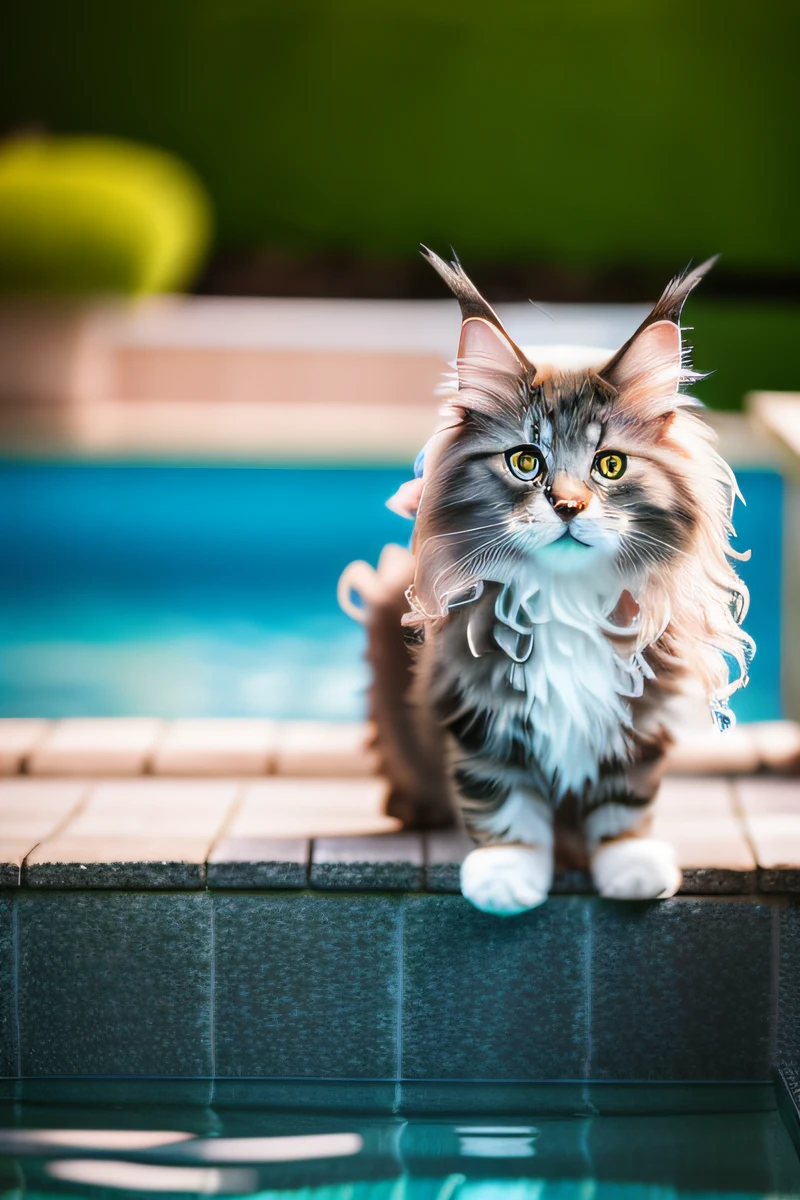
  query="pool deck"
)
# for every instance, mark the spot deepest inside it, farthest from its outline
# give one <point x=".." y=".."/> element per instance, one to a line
<point x="208" y="900"/>
<point x="141" y="803"/>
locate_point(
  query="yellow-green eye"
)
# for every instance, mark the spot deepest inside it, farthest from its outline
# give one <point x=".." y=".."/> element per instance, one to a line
<point x="525" y="462"/>
<point x="611" y="465"/>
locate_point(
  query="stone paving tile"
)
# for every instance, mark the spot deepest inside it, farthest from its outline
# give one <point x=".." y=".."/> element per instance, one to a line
<point x="107" y="746"/>
<point x="31" y="810"/>
<point x="18" y="737"/>
<point x="8" y="1025"/>
<point x="115" y="983"/>
<point x="710" y="752"/>
<point x="236" y="746"/>
<point x="309" y="808"/>
<point x="382" y="863"/>
<point x="697" y="816"/>
<point x="324" y="748"/>
<point x="696" y="796"/>
<point x="509" y="995"/>
<point x="259" y="862"/>
<point x="136" y="833"/>
<point x="691" y="980"/>
<point x="771" y="813"/>
<point x="306" y="986"/>
<point x="155" y="807"/>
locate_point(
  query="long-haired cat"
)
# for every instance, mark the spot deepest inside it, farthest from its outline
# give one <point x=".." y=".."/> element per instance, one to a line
<point x="569" y="588"/>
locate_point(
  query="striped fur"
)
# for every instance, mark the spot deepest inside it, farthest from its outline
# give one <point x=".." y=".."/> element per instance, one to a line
<point x="558" y="619"/>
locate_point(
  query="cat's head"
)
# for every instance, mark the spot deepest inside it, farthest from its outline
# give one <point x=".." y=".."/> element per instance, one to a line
<point x="584" y="468"/>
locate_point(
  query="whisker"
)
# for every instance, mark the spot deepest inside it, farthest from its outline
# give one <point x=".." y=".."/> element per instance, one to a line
<point x="459" y="532"/>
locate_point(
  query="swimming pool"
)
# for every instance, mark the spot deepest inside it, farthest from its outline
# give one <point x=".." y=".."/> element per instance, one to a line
<point x="574" y="1143"/>
<point x="196" y="590"/>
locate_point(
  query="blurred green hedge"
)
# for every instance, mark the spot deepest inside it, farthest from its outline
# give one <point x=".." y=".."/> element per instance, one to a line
<point x="583" y="133"/>
<point x="97" y="215"/>
<point x="744" y="347"/>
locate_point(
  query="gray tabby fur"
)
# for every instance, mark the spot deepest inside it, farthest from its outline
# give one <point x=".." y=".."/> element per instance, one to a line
<point x="558" y="626"/>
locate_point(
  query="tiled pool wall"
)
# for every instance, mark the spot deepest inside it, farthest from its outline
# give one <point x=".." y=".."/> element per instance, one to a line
<point x="394" y="987"/>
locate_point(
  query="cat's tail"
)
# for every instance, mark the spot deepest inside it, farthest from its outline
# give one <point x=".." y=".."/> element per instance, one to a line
<point x="407" y="738"/>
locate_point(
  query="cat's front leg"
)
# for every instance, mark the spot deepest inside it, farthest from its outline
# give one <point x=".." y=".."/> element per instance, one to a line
<point x="626" y="863"/>
<point x="512" y="871"/>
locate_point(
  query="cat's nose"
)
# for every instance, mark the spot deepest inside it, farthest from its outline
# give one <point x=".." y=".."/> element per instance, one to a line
<point x="569" y="497"/>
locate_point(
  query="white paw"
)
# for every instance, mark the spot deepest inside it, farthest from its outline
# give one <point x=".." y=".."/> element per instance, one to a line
<point x="636" y="869"/>
<point x="506" y="880"/>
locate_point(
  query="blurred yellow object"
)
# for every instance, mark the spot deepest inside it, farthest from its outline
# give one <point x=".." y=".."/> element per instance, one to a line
<point x="95" y="215"/>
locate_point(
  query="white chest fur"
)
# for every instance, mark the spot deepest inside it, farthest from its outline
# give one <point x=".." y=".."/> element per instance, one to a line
<point x="552" y="622"/>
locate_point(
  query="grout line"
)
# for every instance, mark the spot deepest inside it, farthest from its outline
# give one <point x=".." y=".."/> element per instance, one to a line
<point x="212" y="980"/>
<point x="232" y="811"/>
<point x="401" y="926"/>
<point x="740" y="816"/>
<point x="16" y="971"/>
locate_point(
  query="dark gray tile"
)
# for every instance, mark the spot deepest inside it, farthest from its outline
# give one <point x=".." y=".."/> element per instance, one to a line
<point x="384" y="862"/>
<point x="143" y="876"/>
<point x="12" y="856"/>
<point x="444" y="854"/>
<point x="115" y="983"/>
<point x="788" y="1034"/>
<point x="718" y="881"/>
<point x="306" y="986"/>
<point x="8" y="1022"/>
<point x="259" y="862"/>
<point x="779" y="879"/>
<point x="10" y="872"/>
<point x="488" y="998"/>
<point x="681" y="990"/>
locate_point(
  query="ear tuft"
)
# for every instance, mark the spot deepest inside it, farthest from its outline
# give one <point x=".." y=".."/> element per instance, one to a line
<point x="484" y="343"/>
<point x="677" y="292"/>
<point x="469" y="298"/>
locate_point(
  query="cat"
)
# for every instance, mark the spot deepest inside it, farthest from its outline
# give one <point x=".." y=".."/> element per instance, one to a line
<point x="568" y="590"/>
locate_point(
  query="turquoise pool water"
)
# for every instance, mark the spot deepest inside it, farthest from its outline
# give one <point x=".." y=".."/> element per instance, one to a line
<point x="210" y="590"/>
<point x="641" y="1143"/>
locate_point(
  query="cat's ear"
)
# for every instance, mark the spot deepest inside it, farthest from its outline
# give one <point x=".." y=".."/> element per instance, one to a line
<point x="484" y="343"/>
<point x="651" y="363"/>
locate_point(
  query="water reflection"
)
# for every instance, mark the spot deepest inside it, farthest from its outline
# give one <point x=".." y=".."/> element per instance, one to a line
<point x="626" y="1144"/>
